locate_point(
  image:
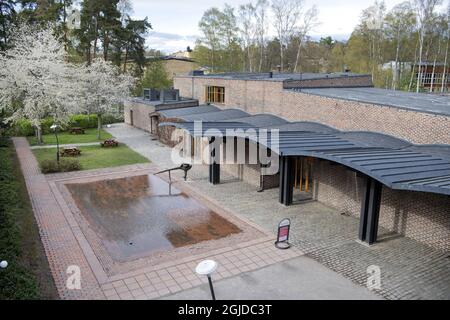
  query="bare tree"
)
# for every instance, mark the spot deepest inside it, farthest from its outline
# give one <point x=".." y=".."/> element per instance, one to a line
<point x="309" y="22"/>
<point x="286" y="16"/>
<point x="425" y="12"/>
<point x="445" y="72"/>
<point x="399" y="22"/>
<point x="261" y="29"/>
<point x="247" y="29"/>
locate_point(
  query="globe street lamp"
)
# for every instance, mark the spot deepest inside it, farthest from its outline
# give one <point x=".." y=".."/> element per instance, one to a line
<point x="55" y="127"/>
<point x="207" y="268"/>
<point x="4" y="264"/>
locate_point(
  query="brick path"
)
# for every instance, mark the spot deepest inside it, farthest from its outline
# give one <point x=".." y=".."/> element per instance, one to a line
<point x="57" y="234"/>
<point x="66" y="245"/>
<point x="410" y="270"/>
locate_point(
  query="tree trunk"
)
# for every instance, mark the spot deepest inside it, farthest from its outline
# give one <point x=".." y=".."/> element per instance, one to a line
<point x="446" y="70"/>
<point x="396" y="72"/>
<point x="96" y="37"/>
<point x="281" y="57"/>
<point x="434" y="66"/>
<point x="413" y="67"/>
<point x="419" y="78"/>
<point x="39" y="134"/>
<point x="126" y="59"/>
<point x="297" y="60"/>
<point x="99" y="126"/>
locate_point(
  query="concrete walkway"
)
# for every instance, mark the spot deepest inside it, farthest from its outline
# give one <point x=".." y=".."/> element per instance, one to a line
<point x="297" y="279"/>
<point x="87" y="144"/>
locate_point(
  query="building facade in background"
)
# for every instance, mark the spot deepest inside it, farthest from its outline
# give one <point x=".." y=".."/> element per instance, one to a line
<point x="382" y="156"/>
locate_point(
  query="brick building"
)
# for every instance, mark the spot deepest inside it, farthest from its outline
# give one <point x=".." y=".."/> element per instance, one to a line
<point x="382" y="156"/>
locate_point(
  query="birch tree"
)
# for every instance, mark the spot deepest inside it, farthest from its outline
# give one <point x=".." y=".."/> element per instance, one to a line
<point x="247" y="29"/>
<point x="399" y="25"/>
<point x="309" y="22"/>
<point x="286" y="14"/>
<point x="447" y="39"/>
<point x="425" y="12"/>
<point x="104" y="89"/>
<point x="261" y="29"/>
<point x="35" y="79"/>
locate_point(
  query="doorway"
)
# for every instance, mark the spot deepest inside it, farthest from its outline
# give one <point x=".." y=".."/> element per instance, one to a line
<point x="303" y="178"/>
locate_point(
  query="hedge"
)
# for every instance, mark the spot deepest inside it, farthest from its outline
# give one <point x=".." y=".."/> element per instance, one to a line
<point x="16" y="282"/>
<point x="65" y="165"/>
<point x="25" y="128"/>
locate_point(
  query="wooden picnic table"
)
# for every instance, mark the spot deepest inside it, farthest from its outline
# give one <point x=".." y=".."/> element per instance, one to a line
<point x="70" y="152"/>
<point x="77" y="130"/>
<point x="109" y="143"/>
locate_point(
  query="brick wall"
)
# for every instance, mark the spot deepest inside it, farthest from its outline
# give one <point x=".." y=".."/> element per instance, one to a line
<point x="335" y="82"/>
<point x="417" y="215"/>
<point x="142" y="111"/>
<point x="257" y="96"/>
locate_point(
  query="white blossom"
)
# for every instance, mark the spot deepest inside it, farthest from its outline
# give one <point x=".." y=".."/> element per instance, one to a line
<point x="36" y="81"/>
<point x="105" y="88"/>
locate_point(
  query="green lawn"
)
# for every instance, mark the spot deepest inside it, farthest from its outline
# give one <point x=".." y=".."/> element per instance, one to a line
<point x="28" y="274"/>
<point x="68" y="138"/>
<point x="95" y="157"/>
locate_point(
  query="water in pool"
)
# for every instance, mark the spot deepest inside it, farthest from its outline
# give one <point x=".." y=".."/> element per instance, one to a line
<point x="137" y="215"/>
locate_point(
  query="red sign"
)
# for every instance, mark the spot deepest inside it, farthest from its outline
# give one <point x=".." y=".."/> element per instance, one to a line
<point x="283" y="230"/>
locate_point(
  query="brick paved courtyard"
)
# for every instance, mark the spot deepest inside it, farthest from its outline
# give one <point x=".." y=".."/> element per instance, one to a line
<point x="67" y="243"/>
<point x="410" y="270"/>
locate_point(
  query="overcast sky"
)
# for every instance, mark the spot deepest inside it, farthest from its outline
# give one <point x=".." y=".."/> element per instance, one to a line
<point x="175" y="22"/>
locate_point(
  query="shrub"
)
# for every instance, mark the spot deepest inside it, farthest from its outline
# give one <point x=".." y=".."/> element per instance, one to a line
<point x="112" y="118"/>
<point x="22" y="128"/>
<point x="83" y="121"/>
<point x="65" y="165"/>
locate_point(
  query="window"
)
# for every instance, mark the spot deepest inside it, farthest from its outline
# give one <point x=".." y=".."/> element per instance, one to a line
<point x="215" y="94"/>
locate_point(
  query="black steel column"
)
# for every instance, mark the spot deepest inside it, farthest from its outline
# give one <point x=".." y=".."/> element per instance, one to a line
<point x="364" y="209"/>
<point x="281" y="177"/>
<point x="286" y="181"/>
<point x="373" y="211"/>
<point x="214" y="166"/>
<point x="370" y="211"/>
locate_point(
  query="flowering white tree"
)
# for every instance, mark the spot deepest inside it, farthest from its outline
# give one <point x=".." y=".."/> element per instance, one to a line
<point x="35" y="79"/>
<point x="105" y="89"/>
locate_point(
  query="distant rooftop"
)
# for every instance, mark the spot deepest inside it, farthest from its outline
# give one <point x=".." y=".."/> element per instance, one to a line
<point x="276" y="76"/>
<point x="423" y="102"/>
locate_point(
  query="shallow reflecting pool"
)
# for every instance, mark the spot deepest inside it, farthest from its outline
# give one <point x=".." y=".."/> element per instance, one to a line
<point x="137" y="215"/>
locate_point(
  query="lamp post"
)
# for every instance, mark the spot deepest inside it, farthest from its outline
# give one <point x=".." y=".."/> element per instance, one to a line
<point x="4" y="264"/>
<point x="55" y="127"/>
<point x="207" y="268"/>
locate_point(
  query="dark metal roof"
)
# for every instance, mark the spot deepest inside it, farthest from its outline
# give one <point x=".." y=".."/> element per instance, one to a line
<point x="402" y="166"/>
<point x="375" y="139"/>
<point x="226" y="114"/>
<point x="277" y="76"/>
<point x="180" y="112"/>
<point x="422" y="102"/>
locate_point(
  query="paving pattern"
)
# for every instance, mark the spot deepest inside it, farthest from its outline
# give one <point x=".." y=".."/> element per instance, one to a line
<point x="409" y="269"/>
<point x="66" y="245"/>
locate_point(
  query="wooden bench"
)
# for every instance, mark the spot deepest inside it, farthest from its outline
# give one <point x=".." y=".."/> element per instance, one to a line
<point x="77" y="130"/>
<point x="70" y="152"/>
<point x="109" y="143"/>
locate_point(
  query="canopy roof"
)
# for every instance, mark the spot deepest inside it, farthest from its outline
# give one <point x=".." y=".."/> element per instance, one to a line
<point x="394" y="162"/>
